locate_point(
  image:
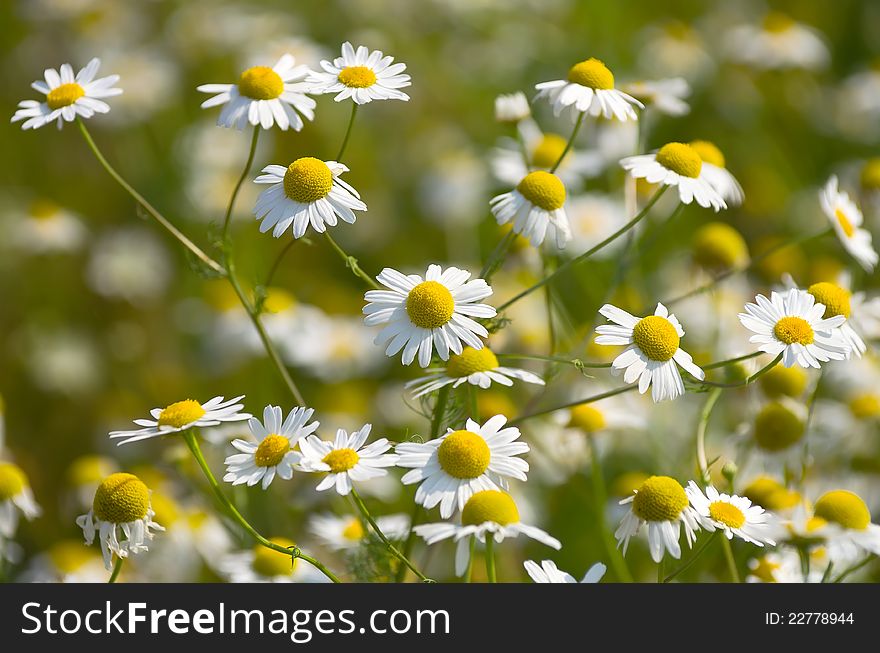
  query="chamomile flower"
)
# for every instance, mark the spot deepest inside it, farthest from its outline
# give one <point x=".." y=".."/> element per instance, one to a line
<point x="487" y="513"/>
<point x="15" y="496"/>
<point x="836" y="300"/>
<point x="183" y="415"/>
<point x="652" y="350"/>
<point x="792" y="324"/>
<point x="361" y="75"/>
<point x="307" y="192"/>
<point x="548" y="572"/>
<point x="454" y="467"/>
<point x="67" y="96"/>
<point x="850" y="531"/>
<point x="534" y="206"/>
<point x="264" y="565"/>
<point x="665" y="95"/>
<point x="67" y="561"/>
<point x="661" y="505"/>
<point x="345" y="533"/>
<point x="732" y="515"/>
<point x="777" y="44"/>
<point x="478" y="367"/>
<point x="272" y="453"/>
<point x="122" y="502"/>
<point x="346" y="459"/>
<point x="424" y="313"/>
<point x="512" y="107"/>
<point x="715" y="172"/>
<point x="846" y="218"/>
<point x="46" y="227"/>
<point x="264" y="96"/>
<point x="589" y="88"/>
<point x="680" y="165"/>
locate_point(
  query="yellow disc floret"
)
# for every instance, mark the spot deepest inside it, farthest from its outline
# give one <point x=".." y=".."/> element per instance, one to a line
<point x="727" y="514"/>
<point x="548" y="151"/>
<point x="12" y="481"/>
<point x="870" y="175"/>
<point x="469" y="361"/>
<point x="777" y="427"/>
<point x="341" y="460"/>
<point x="307" y="180"/>
<point x="718" y="246"/>
<point x="357" y="77"/>
<point x="776" y="22"/>
<point x="845" y="224"/>
<point x="354" y="530"/>
<point x="430" y="305"/>
<point x="835" y="298"/>
<point x="181" y="413"/>
<point x="489" y="505"/>
<point x="260" y="83"/>
<point x="271" y="450"/>
<point x="844" y="508"/>
<point x="865" y="406"/>
<point x="680" y="158"/>
<point x="708" y="152"/>
<point x="270" y="563"/>
<point x="770" y="494"/>
<point x="543" y="189"/>
<point x="783" y="381"/>
<point x="660" y="498"/>
<point x="656" y="337"/>
<point x="765" y="570"/>
<point x="64" y="95"/>
<point x="793" y="329"/>
<point x="463" y="454"/>
<point x="587" y="418"/>
<point x="88" y="469"/>
<point x="591" y="73"/>
<point x="121" y="498"/>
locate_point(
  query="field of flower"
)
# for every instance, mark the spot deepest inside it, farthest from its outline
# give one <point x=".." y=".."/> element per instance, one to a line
<point x="389" y="291"/>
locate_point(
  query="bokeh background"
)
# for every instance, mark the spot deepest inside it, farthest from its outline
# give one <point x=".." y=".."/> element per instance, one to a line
<point x="102" y="317"/>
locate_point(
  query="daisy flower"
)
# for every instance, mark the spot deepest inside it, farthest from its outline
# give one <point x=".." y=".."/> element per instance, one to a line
<point x="272" y="453"/>
<point x="732" y="515"/>
<point x="847" y="220"/>
<point x="778" y="43"/>
<point x="489" y="513"/>
<point x="183" y="415"/>
<point x="264" y="565"/>
<point x="779" y="425"/>
<point x="67" y="96"/>
<point x="589" y="88"/>
<point x="15" y="496"/>
<point x="676" y="164"/>
<point x="652" y="350"/>
<point x="264" y="96"/>
<point x="792" y="324"/>
<point x="345" y="533"/>
<point x="536" y="204"/>
<point x="850" y="531"/>
<point x="478" y="367"/>
<point x="361" y="75"/>
<point x="661" y="505"/>
<point x="307" y="192"/>
<point x="548" y="572"/>
<point x="454" y="467"/>
<point x="346" y="459"/>
<point x="512" y="107"/>
<point x="717" y="247"/>
<point x="425" y="313"/>
<point x="715" y="172"/>
<point x="122" y="502"/>
<point x="46" y="227"/>
<point x="66" y="561"/>
<point x="665" y="95"/>
<point x="836" y="300"/>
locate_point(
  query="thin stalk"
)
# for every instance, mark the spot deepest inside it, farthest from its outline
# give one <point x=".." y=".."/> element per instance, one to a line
<point x="854" y="568"/>
<point x="731" y="562"/>
<point x="702" y="463"/>
<point x="117" y="567"/>
<point x="618" y="563"/>
<point x="732" y="361"/>
<point x="277" y="262"/>
<point x="490" y="558"/>
<point x="470" y="566"/>
<point x="351" y="263"/>
<point x="693" y="558"/>
<point x="354" y="108"/>
<point x="244" y="174"/>
<point x="754" y="377"/>
<point x="661" y="574"/>
<point x="439" y="410"/>
<point x="827" y="575"/>
<point x="496" y="258"/>
<point x="473" y="406"/>
<point x="570" y="144"/>
<point x="576" y="362"/>
<point x="579" y="402"/>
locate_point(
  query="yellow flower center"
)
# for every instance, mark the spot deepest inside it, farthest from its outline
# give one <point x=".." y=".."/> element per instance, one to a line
<point x="548" y="151"/>
<point x="815" y="523"/>
<point x="793" y="329"/>
<point x="771" y="494"/>
<point x="844" y="508"/>
<point x="865" y="406"/>
<point x="88" y="469"/>
<point x="718" y="246"/>
<point x="42" y="209"/>
<point x="845" y="224"/>
<point x="341" y="460"/>
<point x="489" y="505"/>
<point x="628" y="483"/>
<point x="680" y="158"/>
<point x="181" y="413"/>
<point x="776" y="22"/>
<point x="463" y="454"/>
<point x="270" y="563"/>
<point x="430" y="305"/>
<point x="727" y="514"/>
<point x="777" y="427"/>
<point x="68" y="556"/>
<point x="167" y="511"/>
<point x="587" y="418"/>
<point x="709" y="152"/>
<point x="870" y="175"/>
<point x="260" y="83"/>
<point x="354" y="531"/>
<point x="12" y="481"/>
<point x="543" y="189"/>
<point x="656" y="337"/>
<point x="121" y="498"/>
<point x="835" y="298"/>
<point x="784" y="381"/>
<point x="307" y="180"/>
<point x="357" y="77"/>
<point x="471" y="360"/>
<point x="591" y="73"/>
<point x="765" y="570"/>
<point x="64" y="95"/>
<point x="271" y="450"/>
<point x="660" y="498"/>
<point x="278" y="300"/>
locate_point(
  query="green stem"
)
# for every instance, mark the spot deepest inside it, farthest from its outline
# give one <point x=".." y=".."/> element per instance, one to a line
<point x="754" y="377"/>
<point x="731" y="563"/>
<point x="354" y="108"/>
<point x="618" y="563"/>
<point x="827" y="575"/>
<point x="473" y="406"/>
<point x="244" y="174"/>
<point x="661" y="574"/>
<point x="690" y="561"/>
<point x="702" y="463"/>
<point x="490" y="558"/>
<point x="277" y="263"/>
<point x="117" y="567"/>
<point x="576" y="362"/>
<point x="393" y="549"/>
<point x="439" y="411"/>
<point x="149" y="208"/>
<point x="496" y="258"/>
<point x="470" y="566"/>
<point x="548" y="303"/>
<point x="578" y="259"/>
<point x="189" y="436"/>
<point x="579" y="402"/>
<point x="410" y="541"/>
<point x="570" y="144"/>
<point x="854" y="568"/>
<point x="732" y="361"/>
<point x="351" y="263"/>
